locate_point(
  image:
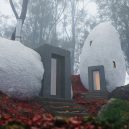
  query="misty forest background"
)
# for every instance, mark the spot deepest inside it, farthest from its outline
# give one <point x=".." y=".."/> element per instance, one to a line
<point x="66" y="23"/>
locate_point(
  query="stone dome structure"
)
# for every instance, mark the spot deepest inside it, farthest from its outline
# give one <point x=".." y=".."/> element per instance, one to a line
<point x="21" y="70"/>
<point x="103" y="47"/>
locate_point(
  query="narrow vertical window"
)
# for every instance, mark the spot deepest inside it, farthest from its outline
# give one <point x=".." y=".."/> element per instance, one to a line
<point x="90" y="43"/>
<point x="53" y="76"/>
<point x="114" y="64"/>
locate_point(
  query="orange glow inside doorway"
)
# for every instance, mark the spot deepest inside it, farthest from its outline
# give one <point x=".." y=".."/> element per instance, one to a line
<point x="96" y="80"/>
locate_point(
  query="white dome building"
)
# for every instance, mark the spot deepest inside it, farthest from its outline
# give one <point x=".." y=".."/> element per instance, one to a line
<point x="102" y="54"/>
<point x="21" y="70"/>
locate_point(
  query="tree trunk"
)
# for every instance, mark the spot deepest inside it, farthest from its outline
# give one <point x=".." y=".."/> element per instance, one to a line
<point x="22" y="15"/>
<point x="24" y="10"/>
<point x="73" y="35"/>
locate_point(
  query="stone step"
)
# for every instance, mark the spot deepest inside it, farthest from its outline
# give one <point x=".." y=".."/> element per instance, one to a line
<point x="96" y="92"/>
<point x="59" y="103"/>
<point x="62" y="107"/>
<point x="70" y="114"/>
<point x="69" y="110"/>
<point x="39" y="98"/>
<point x="95" y="95"/>
<point x="65" y="107"/>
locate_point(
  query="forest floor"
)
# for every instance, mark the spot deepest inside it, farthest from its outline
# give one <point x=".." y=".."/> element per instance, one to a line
<point x="32" y="115"/>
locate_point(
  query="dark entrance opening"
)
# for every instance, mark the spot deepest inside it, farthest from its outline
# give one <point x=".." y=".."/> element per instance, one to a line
<point x="97" y="78"/>
<point x="56" y="83"/>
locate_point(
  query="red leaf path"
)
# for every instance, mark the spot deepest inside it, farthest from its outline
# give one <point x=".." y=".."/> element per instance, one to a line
<point x="92" y="106"/>
<point x="33" y="114"/>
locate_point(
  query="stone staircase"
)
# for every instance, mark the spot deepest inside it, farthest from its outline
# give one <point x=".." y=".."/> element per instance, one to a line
<point x="95" y="95"/>
<point x="60" y="107"/>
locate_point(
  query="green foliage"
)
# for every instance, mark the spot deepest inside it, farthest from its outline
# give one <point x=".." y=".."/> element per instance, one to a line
<point x="2" y="127"/>
<point x="96" y="122"/>
<point x="14" y="125"/>
<point x="115" y="114"/>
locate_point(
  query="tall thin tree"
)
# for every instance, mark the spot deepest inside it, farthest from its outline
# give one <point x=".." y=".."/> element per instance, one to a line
<point x="21" y="16"/>
<point x="73" y="33"/>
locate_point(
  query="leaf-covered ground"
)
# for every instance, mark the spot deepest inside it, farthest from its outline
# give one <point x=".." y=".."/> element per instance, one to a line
<point x="15" y="114"/>
<point x="92" y="106"/>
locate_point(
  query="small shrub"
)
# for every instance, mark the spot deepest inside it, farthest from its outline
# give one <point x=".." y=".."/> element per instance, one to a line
<point x="115" y="113"/>
<point x="15" y="125"/>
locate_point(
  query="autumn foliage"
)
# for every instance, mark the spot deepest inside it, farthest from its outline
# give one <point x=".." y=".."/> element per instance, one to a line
<point x="92" y="106"/>
<point x="15" y="114"/>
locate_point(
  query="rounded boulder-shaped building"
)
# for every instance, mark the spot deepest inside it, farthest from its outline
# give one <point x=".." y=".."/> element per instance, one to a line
<point x="103" y="48"/>
<point x="21" y="70"/>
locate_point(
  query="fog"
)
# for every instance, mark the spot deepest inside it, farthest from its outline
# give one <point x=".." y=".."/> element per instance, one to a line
<point x="64" y="23"/>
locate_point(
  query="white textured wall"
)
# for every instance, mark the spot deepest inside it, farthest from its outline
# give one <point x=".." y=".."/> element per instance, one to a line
<point x="21" y="70"/>
<point x="105" y="49"/>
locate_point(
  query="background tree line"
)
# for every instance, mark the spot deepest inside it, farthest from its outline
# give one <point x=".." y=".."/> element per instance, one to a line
<point x="67" y="23"/>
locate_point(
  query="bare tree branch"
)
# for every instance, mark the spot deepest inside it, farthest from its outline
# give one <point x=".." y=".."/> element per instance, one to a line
<point x="67" y="32"/>
<point x="51" y="27"/>
<point x="24" y="10"/>
<point x="22" y="15"/>
<point x="58" y="20"/>
<point x="13" y="8"/>
<point x="61" y="12"/>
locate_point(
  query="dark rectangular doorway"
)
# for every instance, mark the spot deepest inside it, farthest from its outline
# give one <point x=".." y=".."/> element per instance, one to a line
<point x="96" y="76"/>
<point x="56" y="83"/>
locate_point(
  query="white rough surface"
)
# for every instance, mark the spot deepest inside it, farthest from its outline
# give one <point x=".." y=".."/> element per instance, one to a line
<point x="127" y="79"/>
<point x="105" y="49"/>
<point x="21" y="70"/>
